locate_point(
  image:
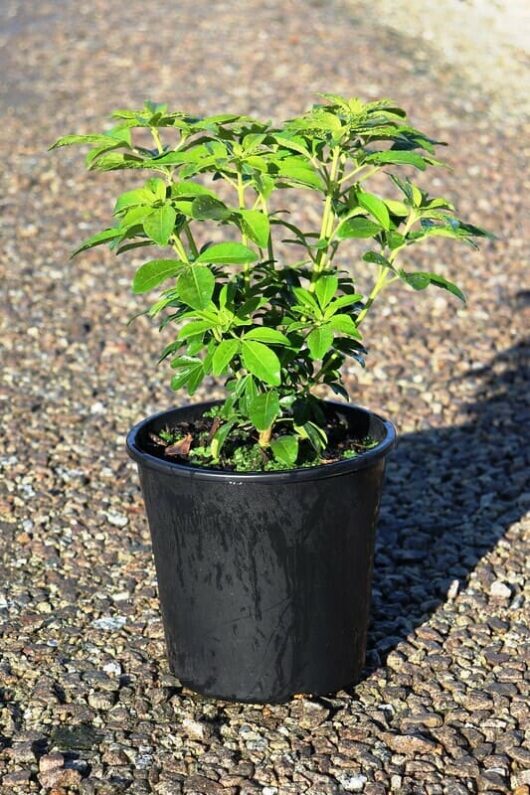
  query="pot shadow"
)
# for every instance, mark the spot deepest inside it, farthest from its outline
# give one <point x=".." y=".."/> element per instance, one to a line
<point x="450" y="495"/>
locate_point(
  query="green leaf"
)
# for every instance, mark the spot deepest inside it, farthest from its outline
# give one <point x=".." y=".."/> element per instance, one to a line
<point x="419" y="280"/>
<point x="397" y="208"/>
<point x="193" y="328"/>
<point x="269" y="335"/>
<point x="133" y="198"/>
<point x="68" y="140"/>
<point x="285" y="449"/>
<point x="157" y="187"/>
<point x="189" y="189"/>
<point x="227" y="253"/>
<point x="115" y="161"/>
<point x="376" y="207"/>
<point x="298" y="170"/>
<point x="316" y="436"/>
<point x="306" y="299"/>
<point x="262" y="362"/>
<point x="98" y="239"/>
<point x="223" y="355"/>
<point x="134" y="216"/>
<point x="160" y="224"/>
<point x="397" y="157"/>
<point x="191" y="373"/>
<point x="196" y="286"/>
<point x="220" y="438"/>
<point x="263" y="410"/>
<point x="377" y="259"/>
<point x="340" y="302"/>
<point x="255" y="225"/>
<point x="358" y="227"/>
<point x="153" y="273"/>
<point x="319" y="341"/>
<point x="345" y="325"/>
<point x="206" y="208"/>
<point x="325" y="289"/>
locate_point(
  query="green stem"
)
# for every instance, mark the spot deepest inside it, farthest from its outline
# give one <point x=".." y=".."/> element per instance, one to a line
<point x="265" y="437"/>
<point x="157" y="140"/>
<point x="382" y="280"/>
<point x="179" y="248"/>
<point x="270" y="245"/>
<point x="327" y="214"/>
<point x="191" y="241"/>
<point x="244" y="239"/>
<point x="376" y="289"/>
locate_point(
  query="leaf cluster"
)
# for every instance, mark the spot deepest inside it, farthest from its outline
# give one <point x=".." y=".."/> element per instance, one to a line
<point x="275" y="330"/>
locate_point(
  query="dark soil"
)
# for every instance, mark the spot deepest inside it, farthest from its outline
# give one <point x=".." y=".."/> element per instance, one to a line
<point x="185" y="443"/>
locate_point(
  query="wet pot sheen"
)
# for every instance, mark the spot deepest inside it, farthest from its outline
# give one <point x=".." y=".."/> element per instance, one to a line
<point x="264" y="578"/>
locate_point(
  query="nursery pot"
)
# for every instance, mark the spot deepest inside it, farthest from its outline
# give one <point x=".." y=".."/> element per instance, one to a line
<point x="264" y="578"/>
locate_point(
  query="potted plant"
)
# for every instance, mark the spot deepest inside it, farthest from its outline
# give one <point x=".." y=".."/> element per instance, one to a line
<point x="262" y="506"/>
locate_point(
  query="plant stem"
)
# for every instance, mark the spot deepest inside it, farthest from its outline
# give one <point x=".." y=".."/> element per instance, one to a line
<point x="327" y="214"/>
<point x="244" y="239"/>
<point x="179" y="248"/>
<point x="157" y="140"/>
<point x="270" y="246"/>
<point x="191" y="241"/>
<point x="265" y="437"/>
<point x="382" y="280"/>
<point x="376" y="289"/>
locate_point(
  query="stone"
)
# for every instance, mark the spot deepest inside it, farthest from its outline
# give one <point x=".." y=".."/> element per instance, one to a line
<point x="500" y="590"/>
<point x="50" y="762"/>
<point x="17" y="778"/>
<point x="60" y="777"/>
<point x="309" y="714"/>
<point x="196" y="730"/>
<point x="410" y="744"/>
<point x="353" y="782"/>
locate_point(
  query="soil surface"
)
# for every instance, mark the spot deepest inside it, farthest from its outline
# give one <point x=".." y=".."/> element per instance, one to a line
<point x="241" y="452"/>
<point x="88" y="704"/>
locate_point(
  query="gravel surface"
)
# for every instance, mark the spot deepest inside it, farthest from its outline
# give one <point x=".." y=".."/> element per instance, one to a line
<point x="87" y="702"/>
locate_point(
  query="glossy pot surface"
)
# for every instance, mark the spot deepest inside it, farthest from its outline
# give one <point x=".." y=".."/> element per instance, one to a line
<point x="264" y="578"/>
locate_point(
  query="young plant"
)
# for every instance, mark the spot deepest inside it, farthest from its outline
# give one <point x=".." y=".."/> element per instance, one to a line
<point x="275" y="328"/>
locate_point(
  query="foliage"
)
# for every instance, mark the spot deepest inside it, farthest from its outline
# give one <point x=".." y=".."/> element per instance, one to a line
<point x="275" y="330"/>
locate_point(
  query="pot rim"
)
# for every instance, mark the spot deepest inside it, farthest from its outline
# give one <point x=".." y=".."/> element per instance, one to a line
<point x="319" y="472"/>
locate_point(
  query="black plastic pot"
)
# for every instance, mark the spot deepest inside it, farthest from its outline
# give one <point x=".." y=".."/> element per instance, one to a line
<point x="264" y="578"/>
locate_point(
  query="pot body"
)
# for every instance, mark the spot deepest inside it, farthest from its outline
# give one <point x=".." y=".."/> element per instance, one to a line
<point x="264" y="578"/>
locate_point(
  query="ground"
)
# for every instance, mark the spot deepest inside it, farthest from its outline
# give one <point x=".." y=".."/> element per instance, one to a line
<point x="88" y="704"/>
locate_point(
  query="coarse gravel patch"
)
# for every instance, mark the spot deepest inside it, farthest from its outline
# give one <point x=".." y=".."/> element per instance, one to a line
<point x="87" y="704"/>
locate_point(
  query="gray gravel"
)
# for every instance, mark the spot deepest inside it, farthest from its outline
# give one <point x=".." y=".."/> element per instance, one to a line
<point x="87" y="704"/>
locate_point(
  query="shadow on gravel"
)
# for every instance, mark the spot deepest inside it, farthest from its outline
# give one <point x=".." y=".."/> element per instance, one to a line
<point x="450" y="495"/>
